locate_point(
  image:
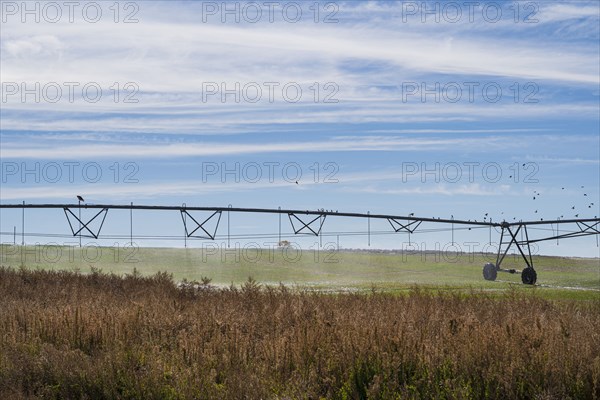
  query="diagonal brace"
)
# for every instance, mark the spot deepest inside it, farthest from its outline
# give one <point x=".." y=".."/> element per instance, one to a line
<point x="403" y="227"/>
<point x="307" y="225"/>
<point x="85" y="225"/>
<point x="200" y="225"/>
<point x="591" y="229"/>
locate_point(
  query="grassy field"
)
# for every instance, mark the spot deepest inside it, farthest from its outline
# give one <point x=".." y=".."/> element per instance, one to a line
<point x="102" y="323"/>
<point x="66" y="335"/>
<point x="339" y="270"/>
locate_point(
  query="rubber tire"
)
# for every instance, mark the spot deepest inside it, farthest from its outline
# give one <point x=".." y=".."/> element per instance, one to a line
<point x="529" y="276"/>
<point x="490" y="272"/>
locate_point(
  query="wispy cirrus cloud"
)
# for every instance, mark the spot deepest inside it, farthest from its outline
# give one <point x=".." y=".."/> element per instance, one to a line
<point x="362" y="182"/>
<point x="58" y="151"/>
<point x="170" y="54"/>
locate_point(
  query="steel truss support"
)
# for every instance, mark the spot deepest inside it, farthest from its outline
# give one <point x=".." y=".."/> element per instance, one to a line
<point x="528" y="275"/>
<point x="585" y="229"/>
<point x="306" y="226"/>
<point x="85" y="225"/>
<point x="200" y="225"/>
<point x="400" y="227"/>
<point x="513" y="240"/>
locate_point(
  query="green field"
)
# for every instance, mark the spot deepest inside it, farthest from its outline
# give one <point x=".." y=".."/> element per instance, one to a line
<point x="334" y="270"/>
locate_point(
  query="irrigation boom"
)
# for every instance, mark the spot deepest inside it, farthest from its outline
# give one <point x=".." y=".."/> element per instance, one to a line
<point x="311" y="222"/>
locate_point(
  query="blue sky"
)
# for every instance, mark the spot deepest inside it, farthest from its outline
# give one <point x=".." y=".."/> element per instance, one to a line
<point x="385" y="97"/>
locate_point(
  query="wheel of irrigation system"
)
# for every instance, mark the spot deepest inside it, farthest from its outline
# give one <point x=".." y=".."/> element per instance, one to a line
<point x="529" y="276"/>
<point x="490" y="272"/>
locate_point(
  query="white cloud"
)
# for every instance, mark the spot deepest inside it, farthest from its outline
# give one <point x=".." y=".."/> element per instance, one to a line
<point x="474" y="189"/>
<point x="563" y="160"/>
<point x="243" y="118"/>
<point x="167" y="55"/>
<point x="128" y="191"/>
<point x="363" y="182"/>
<point x="561" y="11"/>
<point x="170" y="60"/>
<point x="58" y="151"/>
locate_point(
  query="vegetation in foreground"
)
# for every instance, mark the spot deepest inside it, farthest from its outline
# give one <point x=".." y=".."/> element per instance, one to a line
<point x="69" y="335"/>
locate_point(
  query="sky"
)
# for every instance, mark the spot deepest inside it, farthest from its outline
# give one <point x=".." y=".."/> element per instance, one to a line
<point x="441" y="109"/>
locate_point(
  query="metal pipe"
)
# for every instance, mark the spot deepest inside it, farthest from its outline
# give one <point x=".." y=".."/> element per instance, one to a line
<point x="299" y="212"/>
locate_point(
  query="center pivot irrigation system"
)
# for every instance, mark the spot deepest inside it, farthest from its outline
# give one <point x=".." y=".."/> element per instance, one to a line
<point x="311" y="223"/>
